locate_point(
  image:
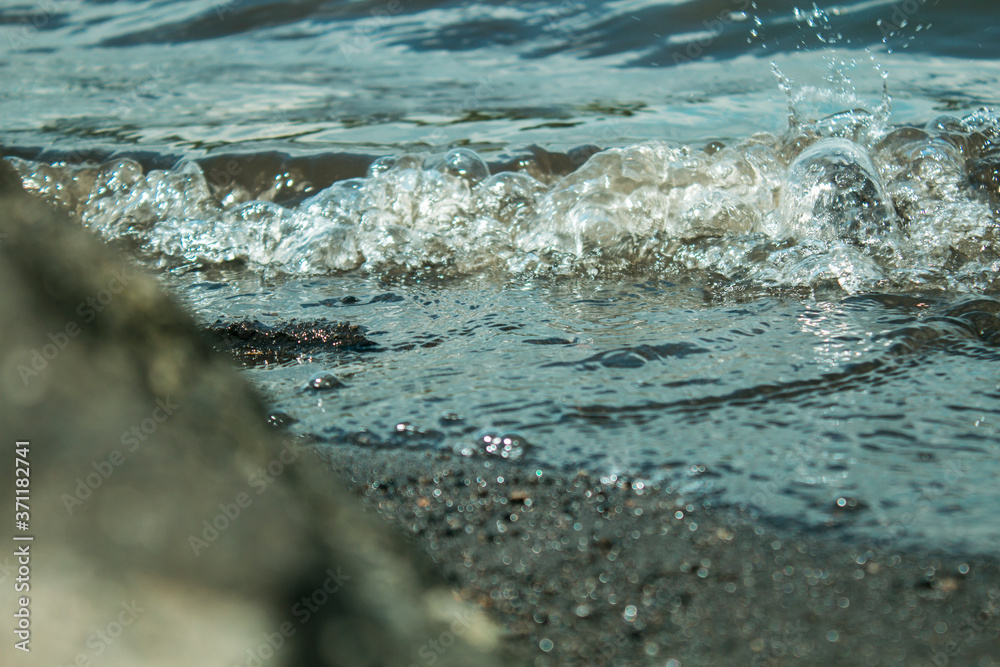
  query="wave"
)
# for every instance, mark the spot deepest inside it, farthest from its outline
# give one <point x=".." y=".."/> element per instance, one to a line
<point x="638" y="32"/>
<point x="845" y="201"/>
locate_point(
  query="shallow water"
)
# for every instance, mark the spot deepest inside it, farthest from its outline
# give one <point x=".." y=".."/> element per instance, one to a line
<point x="775" y="289"/>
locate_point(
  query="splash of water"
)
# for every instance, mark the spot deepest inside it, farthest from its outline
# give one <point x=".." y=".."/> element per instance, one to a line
<point x="843" y="199"/>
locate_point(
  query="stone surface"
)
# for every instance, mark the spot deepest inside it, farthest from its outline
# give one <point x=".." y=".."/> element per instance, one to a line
<point x="171" y="525"/>
<point x="614" y="572"/>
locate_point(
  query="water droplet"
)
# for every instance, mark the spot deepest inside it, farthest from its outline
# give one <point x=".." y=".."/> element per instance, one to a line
<point x="465" y="163"/>
<point x="324" y="382"/>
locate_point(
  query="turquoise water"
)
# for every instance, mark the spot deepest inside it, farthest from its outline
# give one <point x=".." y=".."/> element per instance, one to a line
<point x="747" y="250"/>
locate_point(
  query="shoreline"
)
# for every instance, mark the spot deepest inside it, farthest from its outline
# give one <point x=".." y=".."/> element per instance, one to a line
<point x="580" y="572"/>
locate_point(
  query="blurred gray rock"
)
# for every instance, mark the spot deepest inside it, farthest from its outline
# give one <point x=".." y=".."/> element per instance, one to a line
<point x="170" y="524"/>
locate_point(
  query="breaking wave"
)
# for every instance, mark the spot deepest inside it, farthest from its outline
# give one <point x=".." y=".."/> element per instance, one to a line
<point x="846" y="201"/>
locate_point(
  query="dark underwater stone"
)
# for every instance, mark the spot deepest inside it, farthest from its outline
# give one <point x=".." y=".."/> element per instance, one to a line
<point x="252" y="342"/>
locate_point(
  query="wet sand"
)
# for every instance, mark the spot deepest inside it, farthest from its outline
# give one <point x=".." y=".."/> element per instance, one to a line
<point x="581" y="572"/>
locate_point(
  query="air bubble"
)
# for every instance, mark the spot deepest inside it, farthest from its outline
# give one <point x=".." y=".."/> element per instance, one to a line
<point x="324" y="382"/>
<point x="465" y="163"/>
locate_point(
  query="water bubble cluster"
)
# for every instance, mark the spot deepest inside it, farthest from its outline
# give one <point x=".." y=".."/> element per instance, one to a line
<point x="504" y="445"/>
<point x="843" y="199"/>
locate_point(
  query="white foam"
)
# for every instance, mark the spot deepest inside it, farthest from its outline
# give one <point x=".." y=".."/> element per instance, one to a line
<point x="786" y="211"/>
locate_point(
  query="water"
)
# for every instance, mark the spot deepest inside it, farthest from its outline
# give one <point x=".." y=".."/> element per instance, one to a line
<point x="774" y="289"/>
